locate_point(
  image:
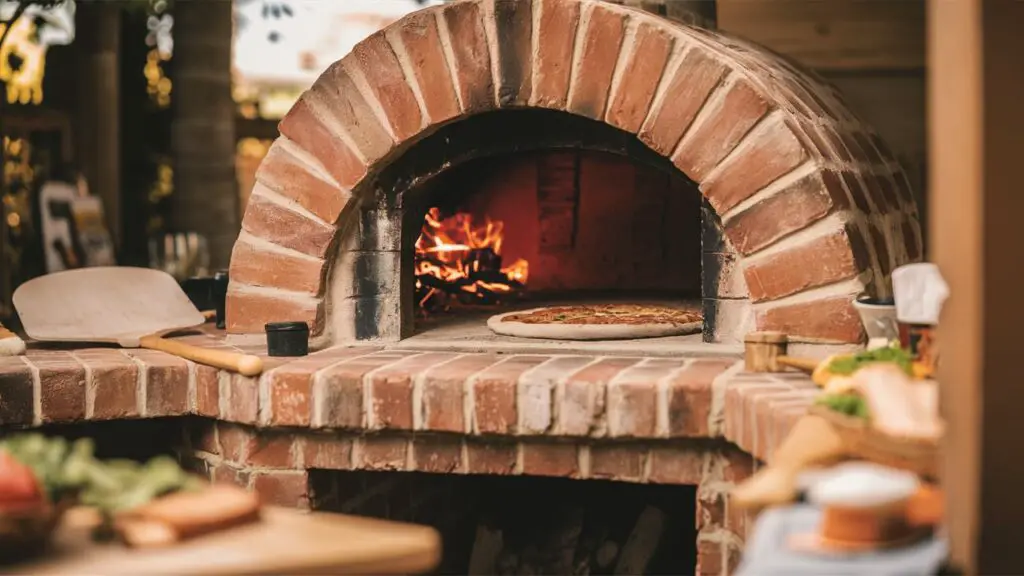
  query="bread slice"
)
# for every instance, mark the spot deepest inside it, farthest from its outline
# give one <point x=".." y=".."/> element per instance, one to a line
<point x="185" y="515"/>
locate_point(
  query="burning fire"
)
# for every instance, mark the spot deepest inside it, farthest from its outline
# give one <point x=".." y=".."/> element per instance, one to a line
<point x="461" y="261"/>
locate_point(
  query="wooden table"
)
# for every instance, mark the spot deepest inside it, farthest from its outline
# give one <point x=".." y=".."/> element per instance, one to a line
<point x="284" y="541"/>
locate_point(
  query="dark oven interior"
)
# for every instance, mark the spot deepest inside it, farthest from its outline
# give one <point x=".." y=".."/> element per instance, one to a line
<point x="573" y="212"/>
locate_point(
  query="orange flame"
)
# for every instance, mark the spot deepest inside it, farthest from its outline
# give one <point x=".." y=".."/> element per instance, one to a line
<point x="459" y="256"/>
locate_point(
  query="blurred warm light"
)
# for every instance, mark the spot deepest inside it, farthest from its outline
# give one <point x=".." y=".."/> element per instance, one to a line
<point x="24" y="84"/>
<point x="158" y="85"/>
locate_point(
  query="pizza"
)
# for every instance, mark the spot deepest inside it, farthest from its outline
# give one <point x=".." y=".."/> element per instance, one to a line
<point x="598" y="322"/>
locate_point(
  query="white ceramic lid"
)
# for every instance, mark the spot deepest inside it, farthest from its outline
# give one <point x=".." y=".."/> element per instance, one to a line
<point x="862" y="485"/>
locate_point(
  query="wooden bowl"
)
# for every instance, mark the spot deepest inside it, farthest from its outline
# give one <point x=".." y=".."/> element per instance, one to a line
<point x="25" y="532"/>
<point x="917" y="455"/>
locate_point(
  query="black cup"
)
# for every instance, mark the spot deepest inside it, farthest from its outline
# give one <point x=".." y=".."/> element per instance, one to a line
<point x="200" y="292"/>
<point x="289" y="339"/>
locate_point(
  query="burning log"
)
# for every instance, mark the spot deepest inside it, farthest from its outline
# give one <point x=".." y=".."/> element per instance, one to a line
<point x="458" y="262"/>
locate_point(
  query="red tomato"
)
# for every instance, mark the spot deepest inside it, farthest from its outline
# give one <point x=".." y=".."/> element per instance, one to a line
<point x="19" y="487"/>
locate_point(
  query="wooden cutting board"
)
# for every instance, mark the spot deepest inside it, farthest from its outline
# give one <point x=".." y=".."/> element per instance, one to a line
<point x="283" y="542"/>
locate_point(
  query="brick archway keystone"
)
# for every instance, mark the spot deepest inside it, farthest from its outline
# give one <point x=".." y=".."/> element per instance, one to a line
<point x="812" y="202"/>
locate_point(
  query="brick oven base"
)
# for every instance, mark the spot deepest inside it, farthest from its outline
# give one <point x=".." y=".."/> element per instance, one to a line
<point x="693" y="423"/>
<point x="529" y="525"/>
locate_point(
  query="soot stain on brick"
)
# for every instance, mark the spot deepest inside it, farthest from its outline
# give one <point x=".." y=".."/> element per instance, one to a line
<point x="367" y="316"/>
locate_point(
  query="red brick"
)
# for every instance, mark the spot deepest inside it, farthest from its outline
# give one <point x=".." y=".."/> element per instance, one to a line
<point x="633" y="398"/>
<point x="690" y="397"/>
<point x="438" y="454"/>
<point x="273" y="450"/>
<point x="167" y="381"/>
<point x="881" y="246"/>
<point x="302" y="126"/>
<point x="379" y="64"/>
<point x="556" y="37"/>
<point x="550" y="459"/>
<point x="286" y="174"/>
<point x="224" y="473"/>
<point x="290" y="386"/>
<point x="820" y="145"/>
<point x="62" y="385"/>
<point x="284" y="227"/>
<point x="600" y="53"/>
<point x="862" y="195"/>
<point x="730" y="117"/>
<point x="248" y="313"/>
<point x="291" y="395"/>
<point x="906" y="193"/>
<point x="490" y="457"/>
<point x="419" y="36"/>
<point x="514" y="24"/>
<point x="235" y="441"/>
<point x="767" y="414"/>
<point x="641" y="77"/>
<point x="860" y="156"/>
<point x="341" y="101"/>
<point x="750" y="438"/>
<point x="113" y="384"/>
<point x="616" y="462"/>
<point x="282" y="488"/>
<point x="688" y="89"/>
<point x="831" y="319"/>
<point x="17" y="402"/>
<point x="381" y="453"/>
<point x="391" y="391"/>
<point x="242" y="403"/>
<point x="738" y="465"/>
<point x="342" y="404"/>
<point x="472" y="57"/>
<point x="202" y="436"/>
<point x="735" y="519"/>
<point x="676" y="465"/>
<point x="711" y="506"/>
<point x="444" y="389"/>
<point x="207" y="391"/>
<point x="794" y="208"/>
<point x="494" y="395"/>
<point x="886" y="195"/>
<point x="710" y="558"/>
<point x="770" y="151"/>
<point x="868" y="146"/>
<point x="817" y="262"/>
<point x="583" y="398"/>
<point x="327" y="452"/>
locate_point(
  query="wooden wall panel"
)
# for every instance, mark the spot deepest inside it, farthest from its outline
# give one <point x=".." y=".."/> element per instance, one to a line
<point x="833" y="34"/>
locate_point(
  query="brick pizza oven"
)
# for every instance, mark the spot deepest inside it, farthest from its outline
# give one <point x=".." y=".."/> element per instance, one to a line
<point x="802" y="206"/>
<point x="627" y="155"/>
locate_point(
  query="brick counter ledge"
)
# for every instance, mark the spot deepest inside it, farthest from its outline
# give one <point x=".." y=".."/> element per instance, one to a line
<point x="700" y="421"/>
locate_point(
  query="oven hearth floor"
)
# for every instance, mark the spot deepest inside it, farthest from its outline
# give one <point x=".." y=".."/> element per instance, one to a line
<point x="466" y="331"/>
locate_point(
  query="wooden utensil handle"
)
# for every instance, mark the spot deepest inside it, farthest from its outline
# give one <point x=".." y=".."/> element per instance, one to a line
<point x="244" y="364"/>
<point x="798" y="363"/>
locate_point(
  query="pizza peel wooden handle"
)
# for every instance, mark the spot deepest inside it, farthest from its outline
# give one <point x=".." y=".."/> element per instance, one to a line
<point x="244" y="364"/>
<point x="798" y="363"/>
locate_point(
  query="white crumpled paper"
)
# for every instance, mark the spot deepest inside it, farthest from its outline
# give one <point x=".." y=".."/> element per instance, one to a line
<point x="920" y="291"/>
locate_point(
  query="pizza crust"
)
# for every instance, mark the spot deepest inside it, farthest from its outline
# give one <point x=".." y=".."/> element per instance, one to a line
<point x="587" y="331"/>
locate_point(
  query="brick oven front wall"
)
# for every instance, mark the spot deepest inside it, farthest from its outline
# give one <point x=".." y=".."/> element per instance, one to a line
<point x="813" y="207"/>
